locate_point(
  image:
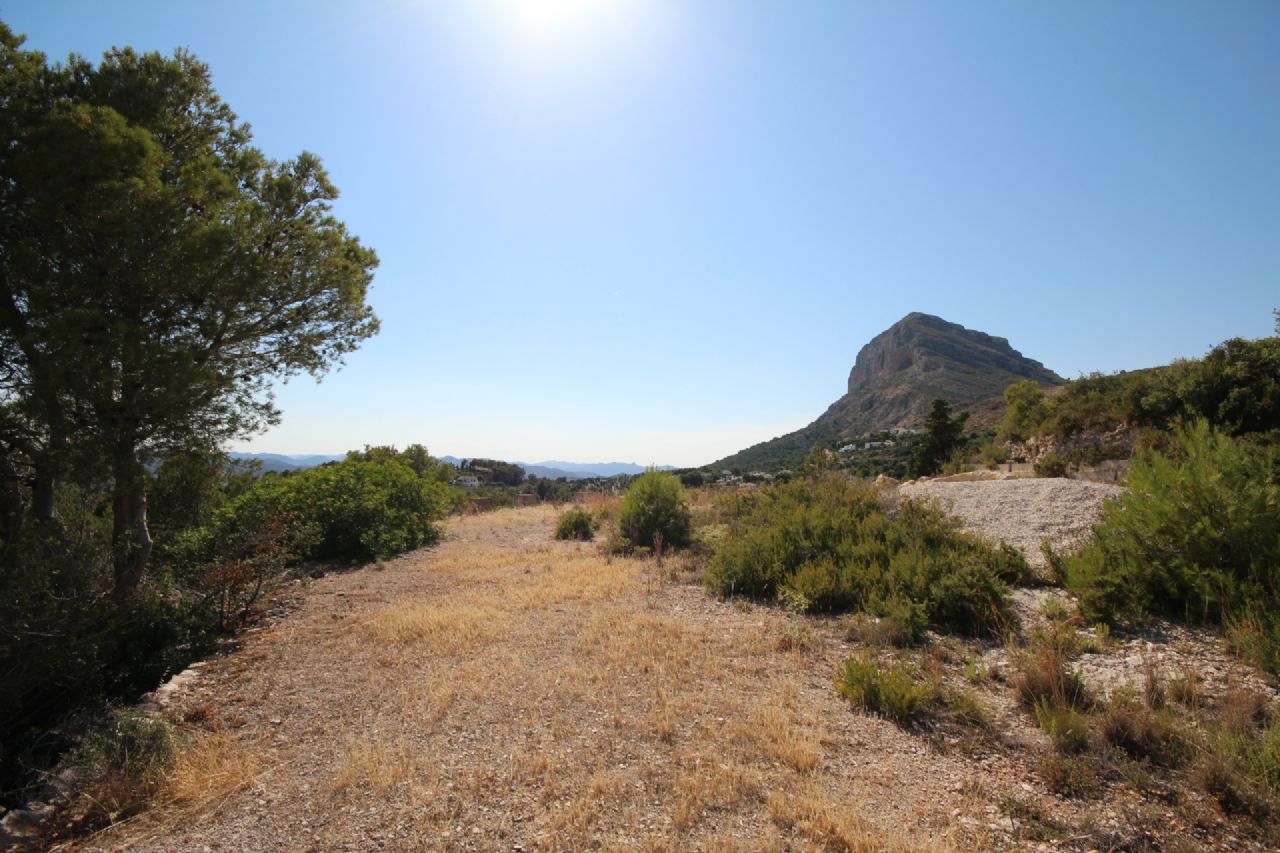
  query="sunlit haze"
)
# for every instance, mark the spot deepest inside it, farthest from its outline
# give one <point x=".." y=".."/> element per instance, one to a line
<point x="658" y="231"/>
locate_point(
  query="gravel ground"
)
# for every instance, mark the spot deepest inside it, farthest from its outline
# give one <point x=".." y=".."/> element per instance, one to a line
<point x="1023" y="513"/>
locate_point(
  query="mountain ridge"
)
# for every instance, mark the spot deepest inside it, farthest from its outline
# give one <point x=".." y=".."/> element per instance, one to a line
<point x="895" y="379"/>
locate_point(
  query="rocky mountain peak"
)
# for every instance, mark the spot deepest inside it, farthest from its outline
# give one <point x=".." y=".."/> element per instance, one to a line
<point x="928" y="343"/>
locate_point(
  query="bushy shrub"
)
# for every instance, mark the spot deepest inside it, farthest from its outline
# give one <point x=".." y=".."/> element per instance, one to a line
<point x="827" y="542"/>
<point x="356" y="509"/>
<point x="895" y="690"/>
<point x="1051" y="465"/>
<point x="654" y="512"/>
<point x="120" y="764"/>
<point x="1194" y="538"/>
<point x="576" y="523"/>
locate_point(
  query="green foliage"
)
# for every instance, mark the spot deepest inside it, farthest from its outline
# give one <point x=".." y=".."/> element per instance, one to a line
<point x="943" y="435"/>
<point x="130" y="746"/>
<point x="120" y="764"/>
<point x="369" y="506"/>
<point x="159" y="272"/>
<point x="655" y="510"/>
<point x="1051" y="465"/>
<point x="1024" y="412"/>
<point x="1065" y="726"/>
<point x="828" y="543"/>
<point x="576" y="523"/>
<point x="1194" y="538"/>
<point x="896" y="691"/>
<point x="494" y="472"/>
<point x="1236" y="388"/>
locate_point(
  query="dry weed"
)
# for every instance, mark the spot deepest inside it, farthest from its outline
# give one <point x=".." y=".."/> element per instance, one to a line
<point x="443" y="627"/>
<point x="371" y="765"/>
<point x="834" y="826"/>
<point x="777" y="735"/>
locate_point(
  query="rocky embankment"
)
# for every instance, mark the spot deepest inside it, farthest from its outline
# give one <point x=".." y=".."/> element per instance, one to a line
<point x="1022" y="512"/>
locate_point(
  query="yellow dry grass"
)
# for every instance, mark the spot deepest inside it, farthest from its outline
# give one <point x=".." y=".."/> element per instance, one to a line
<point x="434" y="626"/>
<point x="373" y="764"/>
<point x="835" y="826"/>
<point x="212" y="768"/>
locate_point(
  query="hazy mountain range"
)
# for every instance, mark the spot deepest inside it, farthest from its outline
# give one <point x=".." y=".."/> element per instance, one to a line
<point x="550" y="468"/>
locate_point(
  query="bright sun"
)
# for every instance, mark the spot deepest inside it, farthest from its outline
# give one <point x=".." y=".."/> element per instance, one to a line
<point x="554" y="23"/>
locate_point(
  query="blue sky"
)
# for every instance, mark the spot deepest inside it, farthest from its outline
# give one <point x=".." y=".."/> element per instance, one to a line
<point x="660" y="230"/>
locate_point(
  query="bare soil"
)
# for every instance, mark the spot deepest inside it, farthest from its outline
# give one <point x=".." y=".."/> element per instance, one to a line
<point x="503" y="691"/>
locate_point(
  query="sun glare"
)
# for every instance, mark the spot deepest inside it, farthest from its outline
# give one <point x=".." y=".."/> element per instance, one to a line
<point x="558" y="24"/>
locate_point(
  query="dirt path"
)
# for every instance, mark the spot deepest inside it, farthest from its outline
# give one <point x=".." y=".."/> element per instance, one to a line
<point x="506" y="692"/>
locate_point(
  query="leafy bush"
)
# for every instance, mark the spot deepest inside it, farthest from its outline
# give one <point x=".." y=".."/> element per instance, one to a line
<point x="1025" y="409"/>
<point x="1194" y="538"/>
<point x="827" y="542"/>
<point x="895" y="691"/>
<point x="577" y="523"/>
<point x="356" y="509"/>
<point x="654" y="510"/>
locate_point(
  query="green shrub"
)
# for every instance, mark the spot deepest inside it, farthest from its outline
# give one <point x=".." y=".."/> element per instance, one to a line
<point x="1194" y="539"/>
<point x="577" y="523"/>
<point x="827" y="542"/>
<point x="1051" y="465"/>
<point x="895" y="691"/>
<point x="357" y="509"/>
<point x="120" y="764"/>
<point x="1065" y="726"/>
<point x="654" y="512"/>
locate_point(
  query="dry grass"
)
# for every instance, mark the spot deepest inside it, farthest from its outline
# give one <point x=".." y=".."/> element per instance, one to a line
<point x="447" y="626"/>
<point x="777" y="734"/>
<point x="834" y="826"/>
<point x="373" y="764"/>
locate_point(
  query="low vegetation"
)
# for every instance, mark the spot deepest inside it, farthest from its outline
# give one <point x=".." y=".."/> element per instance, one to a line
<point x="1193" y="539"/>
<point x="576" y="523"/>
<point x="828" y="544"/>
<point x="655" y="513"/>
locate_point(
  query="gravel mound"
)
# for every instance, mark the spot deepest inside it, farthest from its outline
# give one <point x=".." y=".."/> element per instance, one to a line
<point x="1022" y="512"/>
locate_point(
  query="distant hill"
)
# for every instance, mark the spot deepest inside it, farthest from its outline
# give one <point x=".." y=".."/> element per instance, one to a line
<point x="578" y="470"/>
<point x="895" y="379"/>
<point x="280" y="462"/>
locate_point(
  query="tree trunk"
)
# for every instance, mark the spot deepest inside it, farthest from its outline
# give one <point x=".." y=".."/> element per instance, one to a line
<point x="130" y="538"/>
<point x="42" y="491"/>
<point x="12" y="508"/>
